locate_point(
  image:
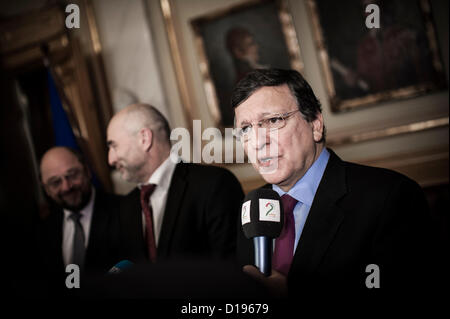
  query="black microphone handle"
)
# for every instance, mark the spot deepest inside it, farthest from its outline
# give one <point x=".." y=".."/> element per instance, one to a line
<point x="263" y="254"/>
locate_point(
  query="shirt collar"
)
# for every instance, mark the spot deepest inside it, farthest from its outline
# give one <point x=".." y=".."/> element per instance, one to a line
<point x="87" y="210"/>
<point x="305" y="188"/>
<point x="163" y="174"/>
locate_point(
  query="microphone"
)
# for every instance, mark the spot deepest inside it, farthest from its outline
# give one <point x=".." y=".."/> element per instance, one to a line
<point x="120" y="266"/>
<point x="262" y="219"/>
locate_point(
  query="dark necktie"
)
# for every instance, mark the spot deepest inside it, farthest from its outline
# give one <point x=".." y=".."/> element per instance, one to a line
<point x="284" y="245"/>
<point x="78" y="250"/>
<point x="146" y="192"/>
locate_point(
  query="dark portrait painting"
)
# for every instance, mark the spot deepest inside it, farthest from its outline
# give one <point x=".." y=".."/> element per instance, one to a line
<point x="235" y="40"/>
<point x="365" y="64"/>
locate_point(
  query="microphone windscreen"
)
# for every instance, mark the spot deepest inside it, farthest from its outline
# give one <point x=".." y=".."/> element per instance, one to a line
<point x="120" y="266"/>
<point x="262" y="213"/>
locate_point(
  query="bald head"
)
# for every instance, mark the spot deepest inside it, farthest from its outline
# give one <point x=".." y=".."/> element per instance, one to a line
<point x="137" y="116"/>
<point x="138" y="138"/>
<point x="65" y="178"/>
<point x="56" y="159"/>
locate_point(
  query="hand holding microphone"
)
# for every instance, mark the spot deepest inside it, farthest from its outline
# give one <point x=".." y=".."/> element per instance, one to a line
<point x="276" y="283"/>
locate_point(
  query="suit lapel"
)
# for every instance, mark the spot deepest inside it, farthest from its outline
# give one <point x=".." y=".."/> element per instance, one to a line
<point x="59" y="220"/>
<point x="132" y="237"/>
<point x="173" y="205"/>
<point x="324" y="218"/>
<point x="51" y="237"/>
<point x="98" y="229"/>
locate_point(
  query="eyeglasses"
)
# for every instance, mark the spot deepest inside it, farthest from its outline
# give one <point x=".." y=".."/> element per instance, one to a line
<point x="73" y="175"/>
<point x="271" y="123"/>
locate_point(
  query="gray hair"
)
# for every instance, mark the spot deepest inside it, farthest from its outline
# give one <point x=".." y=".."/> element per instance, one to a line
<point x="143" y="115"/>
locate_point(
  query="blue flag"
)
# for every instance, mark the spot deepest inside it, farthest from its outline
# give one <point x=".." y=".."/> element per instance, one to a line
<point x="61" y="126"/>
<point x="63" y="131"/>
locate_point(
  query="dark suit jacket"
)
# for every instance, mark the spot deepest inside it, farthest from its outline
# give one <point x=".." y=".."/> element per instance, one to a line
<point x="360" y="215"/>
<point x="101" y="253"/>
<point x="199" y="220"/>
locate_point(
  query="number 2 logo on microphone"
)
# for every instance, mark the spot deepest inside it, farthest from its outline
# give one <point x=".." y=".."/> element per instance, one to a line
<point x="269" y="210"/>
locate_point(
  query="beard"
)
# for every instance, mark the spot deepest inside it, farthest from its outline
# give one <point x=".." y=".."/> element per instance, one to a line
<point x="131" y="173"/>
<point x="75" y="199"/>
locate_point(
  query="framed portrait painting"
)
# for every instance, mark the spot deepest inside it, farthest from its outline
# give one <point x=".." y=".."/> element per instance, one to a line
<point x="235" y="40"/>
<point x="373" y="54"/>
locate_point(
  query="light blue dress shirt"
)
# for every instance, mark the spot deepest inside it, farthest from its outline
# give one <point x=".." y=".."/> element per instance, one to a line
<point x="304" y="191"/>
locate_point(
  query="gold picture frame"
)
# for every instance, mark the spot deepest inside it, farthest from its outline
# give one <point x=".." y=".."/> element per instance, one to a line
<point x="231" y="41"/>
<point x="365" y="66"/>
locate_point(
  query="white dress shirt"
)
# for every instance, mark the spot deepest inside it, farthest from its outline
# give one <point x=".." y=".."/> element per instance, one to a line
<point x="161" y="177"/>
<point x="69" y="228"/>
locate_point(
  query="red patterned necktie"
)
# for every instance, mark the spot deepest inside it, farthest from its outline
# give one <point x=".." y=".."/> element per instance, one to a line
<point x="284" y="245"/>
<point x="146" y="192"/>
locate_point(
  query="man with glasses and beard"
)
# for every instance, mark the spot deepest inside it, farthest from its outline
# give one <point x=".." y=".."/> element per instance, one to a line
<point x="80" y="228"/>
